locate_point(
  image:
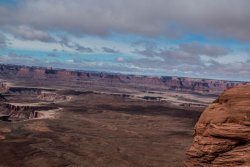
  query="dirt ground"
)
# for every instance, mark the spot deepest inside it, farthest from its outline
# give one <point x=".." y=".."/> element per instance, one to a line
<point x="100" y="130"/>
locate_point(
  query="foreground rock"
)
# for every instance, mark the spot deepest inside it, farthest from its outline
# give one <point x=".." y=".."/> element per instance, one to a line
<point x="222" y="133"/>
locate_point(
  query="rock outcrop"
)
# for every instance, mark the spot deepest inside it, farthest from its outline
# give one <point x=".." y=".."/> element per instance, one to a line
<point x="3" y="87"/>
<point x="17" y="112"/>
<point x="53" y="97"/>
<point x="222" y="134"/>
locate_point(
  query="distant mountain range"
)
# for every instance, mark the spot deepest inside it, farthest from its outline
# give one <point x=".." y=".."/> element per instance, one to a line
<point x="39" y="76"/>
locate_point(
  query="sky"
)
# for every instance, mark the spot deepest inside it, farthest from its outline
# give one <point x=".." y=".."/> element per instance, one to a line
<point x="188" y="38"/>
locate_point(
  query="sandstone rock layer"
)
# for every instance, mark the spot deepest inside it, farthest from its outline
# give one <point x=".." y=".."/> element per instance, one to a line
<point x="38" y="76"/>
<point x="222" y="133"/>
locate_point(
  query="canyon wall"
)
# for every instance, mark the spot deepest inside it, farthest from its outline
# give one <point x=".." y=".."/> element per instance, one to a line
<point x="77" y="79"/>
<point x="20" y="111"/>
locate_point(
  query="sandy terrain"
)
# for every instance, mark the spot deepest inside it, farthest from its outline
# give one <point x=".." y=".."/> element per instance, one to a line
<point x="99" y="130"/>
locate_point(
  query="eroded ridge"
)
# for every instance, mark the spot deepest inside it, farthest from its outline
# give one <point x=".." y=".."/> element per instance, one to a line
<point x="18" y="112"/>
<point x="38" y="103"/>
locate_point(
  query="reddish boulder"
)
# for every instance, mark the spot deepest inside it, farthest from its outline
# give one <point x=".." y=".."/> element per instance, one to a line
<point x="222" y="134"/>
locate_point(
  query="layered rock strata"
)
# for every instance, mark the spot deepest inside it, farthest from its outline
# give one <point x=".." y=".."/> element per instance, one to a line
<point x="222" y="134"/>
<point x="34" y="75"/>
<point x="17" y="112"/>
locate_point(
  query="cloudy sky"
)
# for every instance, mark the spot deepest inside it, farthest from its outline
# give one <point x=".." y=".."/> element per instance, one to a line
<point x="194" y="38"/>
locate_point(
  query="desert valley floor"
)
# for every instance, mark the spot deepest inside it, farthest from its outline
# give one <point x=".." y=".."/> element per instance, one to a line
<point x="56" y="124"/>
<point x="94" y="129"/>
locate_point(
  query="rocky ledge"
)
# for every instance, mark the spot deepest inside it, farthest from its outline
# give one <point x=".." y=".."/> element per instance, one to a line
<point x="54" y="97"/>
<point x="19" y="112"/>
<point x="222" y="133"/>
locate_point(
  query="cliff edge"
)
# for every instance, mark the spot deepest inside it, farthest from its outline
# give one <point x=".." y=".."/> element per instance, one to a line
<point x="222" y="133"/>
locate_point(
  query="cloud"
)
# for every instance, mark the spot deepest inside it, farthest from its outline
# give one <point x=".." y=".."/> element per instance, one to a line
<point x="120" y="59"/>
<point x="27" y="33"/>
<point x="19" y="59"/>
<point x="247" y="50"/>
<point x="186" y="60"/>
<point x="181" y="54"/>
<point x="144" y="66"/>
<point x="216" y="70"/>
<point x="52" y="55"/>
<point x="14" y="58"/>
<point x="150" y="48"/>
<point x="176" y="18"/>
<point x="81" y="48"/>
<point x="204" y="49"/>
<point x="14" y="55"/>
<point x="65" y="42"/>
<point x="109" y="50"/>
<point x="179" y="57"/>
<point x="233" y="71"/>
<point x="44" y="20"/>
<point x="3" y="43"/>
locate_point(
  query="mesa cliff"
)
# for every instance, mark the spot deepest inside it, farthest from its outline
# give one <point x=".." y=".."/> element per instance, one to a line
<point x="40" y="103"/>
<point x="222" y="134"/>
<point x="34" y="76"/>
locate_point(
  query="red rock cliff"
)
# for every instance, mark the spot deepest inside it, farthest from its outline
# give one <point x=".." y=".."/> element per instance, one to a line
<point x="222" y="134"/>
<point x="34" y="75"/>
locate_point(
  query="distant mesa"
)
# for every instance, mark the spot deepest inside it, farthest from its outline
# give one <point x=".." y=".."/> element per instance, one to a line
<point x="61" y="77"/>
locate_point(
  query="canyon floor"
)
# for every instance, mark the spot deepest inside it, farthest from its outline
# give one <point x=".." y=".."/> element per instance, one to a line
<point x="52" y="127"/>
